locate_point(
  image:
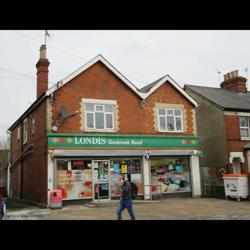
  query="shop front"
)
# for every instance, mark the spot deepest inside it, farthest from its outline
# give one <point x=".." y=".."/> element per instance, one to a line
<point x="94" y="178"/>
<point x="88" y="166"/>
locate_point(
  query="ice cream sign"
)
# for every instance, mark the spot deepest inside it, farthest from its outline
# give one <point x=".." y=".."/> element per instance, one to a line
<point x="120" y="141"/>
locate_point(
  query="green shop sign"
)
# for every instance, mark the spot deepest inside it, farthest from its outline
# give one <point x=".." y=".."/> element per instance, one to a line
<point x="120" y="141"/>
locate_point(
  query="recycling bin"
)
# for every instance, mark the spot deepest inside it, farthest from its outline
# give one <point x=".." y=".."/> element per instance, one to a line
<point x="56" y="199"/>
<point x="236" y="186"/>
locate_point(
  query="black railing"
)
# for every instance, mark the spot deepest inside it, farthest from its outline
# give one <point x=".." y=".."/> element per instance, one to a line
<point x="150" y="194"/>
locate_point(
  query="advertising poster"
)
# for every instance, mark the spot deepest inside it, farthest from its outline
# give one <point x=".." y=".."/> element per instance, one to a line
<point x="115" y="174"/>
<point x="116" y="170"/>
<point x="75" y="183"/>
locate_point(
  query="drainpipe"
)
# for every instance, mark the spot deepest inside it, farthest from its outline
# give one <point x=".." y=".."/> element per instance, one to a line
<point x="21" y="175"/>
<point x="8" y="179"/>
<point x="8" y="167"/>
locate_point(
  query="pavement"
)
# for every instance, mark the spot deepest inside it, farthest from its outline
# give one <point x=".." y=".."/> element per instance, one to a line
<point x="168" y="209"/>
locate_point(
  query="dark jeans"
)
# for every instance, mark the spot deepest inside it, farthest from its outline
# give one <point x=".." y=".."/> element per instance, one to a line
<point x="125" y="204"/>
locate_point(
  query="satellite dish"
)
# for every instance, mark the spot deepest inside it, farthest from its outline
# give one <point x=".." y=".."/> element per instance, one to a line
<point x="63" y="114"/>
<point x="54" y="128"/>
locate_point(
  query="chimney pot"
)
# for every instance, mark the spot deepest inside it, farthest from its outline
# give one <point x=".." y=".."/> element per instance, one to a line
<point x="43" y="52"/>
<point x="225" y="77"/>
<point x="228" y="75"/>
<point x="232" y="74"/>
<point x="236" y="73"/>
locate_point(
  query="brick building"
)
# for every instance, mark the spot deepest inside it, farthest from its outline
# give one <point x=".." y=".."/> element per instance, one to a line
<point x="223" y="125"/>
<point x="84" y="132"/>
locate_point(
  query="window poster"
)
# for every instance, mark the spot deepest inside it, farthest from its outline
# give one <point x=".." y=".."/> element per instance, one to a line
<point x="170" y="175"/>
<point x="115" y="174"/>
<point x="76" y="181"/>
<point x="133" y="167"/>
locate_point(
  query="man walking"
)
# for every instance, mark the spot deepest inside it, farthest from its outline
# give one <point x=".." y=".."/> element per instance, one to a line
<point x="126" y="198"/>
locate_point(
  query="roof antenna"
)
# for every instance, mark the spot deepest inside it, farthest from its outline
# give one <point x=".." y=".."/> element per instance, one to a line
<point x="218" y="73"/>
<point x="46" y="34"/>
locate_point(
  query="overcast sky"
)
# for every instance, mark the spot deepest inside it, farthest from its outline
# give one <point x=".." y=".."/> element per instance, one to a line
<point x="143" y="56"/>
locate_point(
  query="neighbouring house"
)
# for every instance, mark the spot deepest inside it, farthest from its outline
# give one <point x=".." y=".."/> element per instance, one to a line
<point x="3" y="171"/>
<point x="84" y="132"/>
<point x="223" y="125"/>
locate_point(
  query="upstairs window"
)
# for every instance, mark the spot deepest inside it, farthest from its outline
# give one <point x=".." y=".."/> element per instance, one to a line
<point x="25" y="130"/>
<point x="18" y="133"/>
<point x="99" y="116"/>
<point x="170" y="120"/>
<point x="244" y="126"/>
<point x="33" y="126"/>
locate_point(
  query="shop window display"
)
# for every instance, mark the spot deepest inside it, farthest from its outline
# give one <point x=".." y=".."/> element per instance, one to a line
<point x="170" y="175"/>
<point x="74" y="178"/>
<point x="120" y="166"/>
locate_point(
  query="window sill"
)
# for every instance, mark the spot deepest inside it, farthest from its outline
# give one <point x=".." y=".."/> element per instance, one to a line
<point x="245" y="138"/>
<point x="164" y="131"/>
<point x="100" y="130"/>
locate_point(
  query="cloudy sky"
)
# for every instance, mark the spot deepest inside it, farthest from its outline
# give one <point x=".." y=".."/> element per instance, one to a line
<point x="189" y="57"/>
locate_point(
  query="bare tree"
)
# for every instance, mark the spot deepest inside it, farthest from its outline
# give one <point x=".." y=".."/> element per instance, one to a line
<point x="4" y="155"/>
<point x="5" y="142"/>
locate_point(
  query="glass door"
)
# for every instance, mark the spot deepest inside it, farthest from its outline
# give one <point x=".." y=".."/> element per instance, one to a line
<point x="101" y="189"/>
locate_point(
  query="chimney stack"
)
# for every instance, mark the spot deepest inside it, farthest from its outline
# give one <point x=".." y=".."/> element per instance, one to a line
<point x="234" y="82"/>
<point x="42" y="72"/>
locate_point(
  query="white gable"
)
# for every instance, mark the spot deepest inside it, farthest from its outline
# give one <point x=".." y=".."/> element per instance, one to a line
<point x="175" y="84"/>
<point x="120" y="76"/>
<point x="89" y="64"/>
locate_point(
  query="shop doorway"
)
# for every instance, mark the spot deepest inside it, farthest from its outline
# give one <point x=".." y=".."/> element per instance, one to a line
<point x="101" y="184"/>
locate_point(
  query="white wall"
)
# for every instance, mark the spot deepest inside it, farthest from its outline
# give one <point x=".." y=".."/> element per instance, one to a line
<point x="50" y="173"/>
<point x="147" y="178"/>
<point x="195" y="176"/>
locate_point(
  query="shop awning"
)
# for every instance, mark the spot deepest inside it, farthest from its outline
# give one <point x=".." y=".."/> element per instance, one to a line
<point x="93" y="153"/>
<point x="170" y="152"/>
<point x="68" y="153"/>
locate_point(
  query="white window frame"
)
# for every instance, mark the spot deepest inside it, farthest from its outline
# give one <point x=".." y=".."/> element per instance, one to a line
<point x="165" y="117"/>
<point x="18" y="133"/>
<point x="245" y="137"/>
<point x="33" y="125"/>
<point x="25" y="130"/>
<point x="98" y="102"/>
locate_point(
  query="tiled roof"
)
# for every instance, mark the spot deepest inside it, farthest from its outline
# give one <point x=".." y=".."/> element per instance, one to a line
<point x="150" y="86"/>
<point x="224" y="98"/>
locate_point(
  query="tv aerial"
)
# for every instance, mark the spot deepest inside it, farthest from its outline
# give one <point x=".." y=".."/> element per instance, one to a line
<point x="47" y="34"/>
<point x="218" y="72"/>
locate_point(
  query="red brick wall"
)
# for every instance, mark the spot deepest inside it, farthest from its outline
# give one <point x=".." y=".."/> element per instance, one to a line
<point x="234" y="142"/>
<point x="166" y="93"/>
<point x="15" y="174"/>
<point x="98" y="82"/>
<point x="34" y="186"/>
